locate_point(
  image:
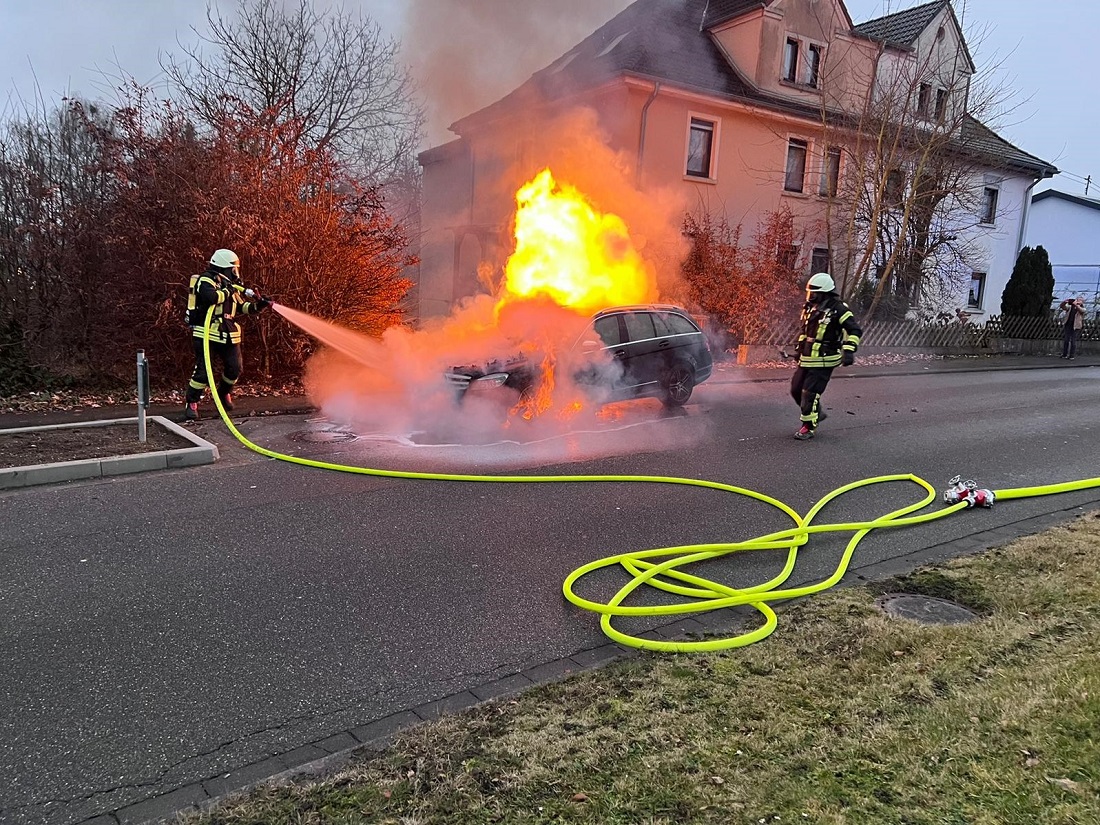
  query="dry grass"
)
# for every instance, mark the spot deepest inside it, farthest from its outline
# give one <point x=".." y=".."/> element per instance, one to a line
<point x="842" y="716"/>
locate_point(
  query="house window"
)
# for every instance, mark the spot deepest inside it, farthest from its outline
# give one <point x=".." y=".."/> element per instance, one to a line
<point x="813" y="64"/>
<point x="787" y="255"/>
<point x="924" y="99"/>
<point x="895" y="187"/>
<point x="700" y="148"/>
<point x="794" y="180"/>
<point x="977" y="290"/>
<point x="790" y="60"/>
<point x="830" y="174"/>
<point x="819" y="261"/>
<point x="941" y="103"/>
<point x="989" y="205"/>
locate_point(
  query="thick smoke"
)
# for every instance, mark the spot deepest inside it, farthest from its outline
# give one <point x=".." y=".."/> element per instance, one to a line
<point x="465" y="54"/>
<point x="469" y="53"/>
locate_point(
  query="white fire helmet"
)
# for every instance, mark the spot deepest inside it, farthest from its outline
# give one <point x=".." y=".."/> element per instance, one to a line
<point x="225" y="260"/>
<point x="821" y="282"/>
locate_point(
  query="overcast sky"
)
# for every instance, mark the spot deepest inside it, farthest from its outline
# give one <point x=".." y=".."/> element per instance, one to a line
<point x="1045" y="53"/>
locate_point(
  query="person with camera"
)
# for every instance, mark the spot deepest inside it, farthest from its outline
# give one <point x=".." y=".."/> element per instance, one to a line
<point x="829" y="338"/>
<point x="1071" y="329"/>
<point x="220" y="287"/>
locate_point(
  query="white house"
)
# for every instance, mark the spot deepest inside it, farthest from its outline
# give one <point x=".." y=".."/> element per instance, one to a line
<point x="1068" y="228"/>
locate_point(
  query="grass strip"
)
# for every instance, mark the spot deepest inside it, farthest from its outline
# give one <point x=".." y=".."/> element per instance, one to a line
<point x="844" y="715"/>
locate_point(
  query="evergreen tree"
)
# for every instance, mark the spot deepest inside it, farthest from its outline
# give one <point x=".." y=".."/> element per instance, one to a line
<point x="1030" y="289"/>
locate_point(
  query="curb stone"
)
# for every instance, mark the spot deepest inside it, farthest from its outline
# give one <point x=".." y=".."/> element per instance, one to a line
<point x="201" y="452"/>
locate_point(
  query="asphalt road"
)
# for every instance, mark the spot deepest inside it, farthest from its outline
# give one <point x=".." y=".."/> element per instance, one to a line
<point x="161" y="630"/>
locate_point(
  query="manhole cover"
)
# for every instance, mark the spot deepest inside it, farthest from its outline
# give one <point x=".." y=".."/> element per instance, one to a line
<point x="925" y="609"/>
<point x="322" y="436"/>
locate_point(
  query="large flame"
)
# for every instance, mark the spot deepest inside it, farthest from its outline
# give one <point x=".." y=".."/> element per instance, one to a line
<point x="571" y="253"/>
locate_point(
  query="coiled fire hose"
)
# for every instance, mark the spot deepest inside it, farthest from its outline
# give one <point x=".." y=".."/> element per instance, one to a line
<point x="661" y="568"/>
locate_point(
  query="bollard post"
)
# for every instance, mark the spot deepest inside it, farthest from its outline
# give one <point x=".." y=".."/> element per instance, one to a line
<point x="142" y="392"/>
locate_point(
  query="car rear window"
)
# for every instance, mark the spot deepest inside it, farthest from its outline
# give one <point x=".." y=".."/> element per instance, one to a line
<point x="679" y="324"/>
<point x="639" y="326"/>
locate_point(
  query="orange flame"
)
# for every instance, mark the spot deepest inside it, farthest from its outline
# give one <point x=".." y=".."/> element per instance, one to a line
<point x="574" y="256"/>
<point x="571" y="253"/>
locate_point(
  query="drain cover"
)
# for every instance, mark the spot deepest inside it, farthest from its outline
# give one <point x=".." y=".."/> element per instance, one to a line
<point x="322" y="436"/>
<point x="925" y="609"/>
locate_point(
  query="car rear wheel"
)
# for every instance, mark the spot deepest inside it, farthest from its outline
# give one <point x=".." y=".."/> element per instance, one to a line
<point x="677" y="385"/>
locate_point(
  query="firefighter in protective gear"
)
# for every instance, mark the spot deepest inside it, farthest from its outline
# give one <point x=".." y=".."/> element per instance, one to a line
<point x="829" y="338"/>
<point x="219" y="286"/>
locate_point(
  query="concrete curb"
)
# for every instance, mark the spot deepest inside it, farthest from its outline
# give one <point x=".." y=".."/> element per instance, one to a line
<point x="203" y="452"/>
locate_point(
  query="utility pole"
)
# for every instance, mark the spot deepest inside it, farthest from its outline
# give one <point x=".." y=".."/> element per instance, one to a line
<point x="1088" y="180"/>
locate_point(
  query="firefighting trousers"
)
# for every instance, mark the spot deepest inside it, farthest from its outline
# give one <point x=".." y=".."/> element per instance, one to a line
<point x="807" y="386"/>
<point x="230" y="357"/>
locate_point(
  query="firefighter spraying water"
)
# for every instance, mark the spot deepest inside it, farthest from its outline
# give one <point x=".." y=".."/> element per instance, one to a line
<point x="219" y="287"/>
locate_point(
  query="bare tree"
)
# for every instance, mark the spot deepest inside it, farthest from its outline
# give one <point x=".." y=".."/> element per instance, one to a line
<point x="334" y="74"/>
<point x="50" y="186"/>
<point x="904" y="213"/>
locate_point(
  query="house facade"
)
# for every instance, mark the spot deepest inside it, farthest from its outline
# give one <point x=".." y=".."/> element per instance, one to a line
<point x="742" y="108"/>
<point x="1068" y="228"/>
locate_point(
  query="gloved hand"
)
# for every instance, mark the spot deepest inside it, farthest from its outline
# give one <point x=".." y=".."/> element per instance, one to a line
<point x="848" y="358"/>
<point x="250" y="293"/>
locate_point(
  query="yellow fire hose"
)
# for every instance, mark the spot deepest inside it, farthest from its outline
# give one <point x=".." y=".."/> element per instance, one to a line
<point x="660" y="568"/>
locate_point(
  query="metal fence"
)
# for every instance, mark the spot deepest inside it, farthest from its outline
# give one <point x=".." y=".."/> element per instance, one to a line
<point x="940" y="335"/>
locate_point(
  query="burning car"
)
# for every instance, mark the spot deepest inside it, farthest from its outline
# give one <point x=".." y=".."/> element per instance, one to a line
<point x="641" y="351"/>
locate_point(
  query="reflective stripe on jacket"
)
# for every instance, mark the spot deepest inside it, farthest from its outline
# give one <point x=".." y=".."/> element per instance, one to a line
<point x="828" y="328"/>
<point x="213" y="289"/>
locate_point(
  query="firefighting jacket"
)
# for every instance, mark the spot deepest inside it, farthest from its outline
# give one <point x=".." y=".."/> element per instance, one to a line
<point x="227" y="297"/>
<point x="828" y="328"/>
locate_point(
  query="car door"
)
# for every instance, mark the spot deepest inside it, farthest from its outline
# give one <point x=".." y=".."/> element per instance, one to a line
<point x="642" y="363"/>
<point x="600" y="353"/>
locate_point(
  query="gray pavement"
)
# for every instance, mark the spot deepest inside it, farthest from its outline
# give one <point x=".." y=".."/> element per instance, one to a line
<point x="138" y="574"/>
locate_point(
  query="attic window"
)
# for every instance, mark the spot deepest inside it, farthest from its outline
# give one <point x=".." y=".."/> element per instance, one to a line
<point x="924" y="99"/>
<point x="813" y="64"/>
<point x="790" y="60"/>
<point x="607" y="49"/>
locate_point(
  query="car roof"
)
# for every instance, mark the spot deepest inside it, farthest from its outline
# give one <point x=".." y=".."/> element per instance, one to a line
<point x="642" y="307"/>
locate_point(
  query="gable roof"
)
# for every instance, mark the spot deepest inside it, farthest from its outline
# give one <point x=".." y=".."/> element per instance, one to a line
<point x="1091" y="203"/>
<point x="717" y="12"/>
<point x="676" y="51"/>
<point x="666" y="41"/>
<point x="902" y="28"/>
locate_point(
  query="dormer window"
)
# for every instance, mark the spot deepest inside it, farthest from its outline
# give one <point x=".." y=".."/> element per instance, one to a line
<point x="802" y="63"/>
<point x="813" y="64"/>
<point x="790" y="60"/>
